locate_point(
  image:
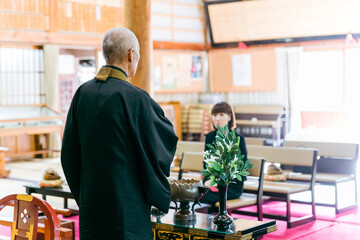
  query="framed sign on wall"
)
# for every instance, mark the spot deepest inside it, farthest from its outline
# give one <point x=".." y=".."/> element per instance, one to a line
<point x="178" y="71"/>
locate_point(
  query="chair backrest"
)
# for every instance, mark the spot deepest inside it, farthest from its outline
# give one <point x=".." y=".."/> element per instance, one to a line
<point x="284" y="155"/>
<point x="189" y="146"/>
<point x="25" y="222"/>
<point x="297" y="159"/>
<point x="257" y="169"/>
<point x="191" y="161"/>
<point x="328" y="149"/>
<point x="337" y="158"/>
<point x="255" y="141"/>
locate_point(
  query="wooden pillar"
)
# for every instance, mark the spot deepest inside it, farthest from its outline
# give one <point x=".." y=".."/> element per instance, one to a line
<point x="137" y="19"/>
<point x="51" y="86"/>
<point x="51" y="75"/>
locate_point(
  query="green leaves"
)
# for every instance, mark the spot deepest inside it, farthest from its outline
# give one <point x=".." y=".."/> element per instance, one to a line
<point x="214" y="165"/>
<point x="224" y="161"/>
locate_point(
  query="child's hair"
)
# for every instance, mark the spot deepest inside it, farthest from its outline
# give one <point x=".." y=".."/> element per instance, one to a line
<point x="224" y="107"/>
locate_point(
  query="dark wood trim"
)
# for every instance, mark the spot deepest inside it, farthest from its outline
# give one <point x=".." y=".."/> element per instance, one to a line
<point x="11" y="37"/>
<point x="181" y="46"/>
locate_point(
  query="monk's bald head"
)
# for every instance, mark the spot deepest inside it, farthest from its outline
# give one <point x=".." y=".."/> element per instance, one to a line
<point x="116" y="44"/>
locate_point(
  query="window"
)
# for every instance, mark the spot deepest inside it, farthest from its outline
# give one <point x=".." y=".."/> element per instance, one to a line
<point x="21" y="76"/>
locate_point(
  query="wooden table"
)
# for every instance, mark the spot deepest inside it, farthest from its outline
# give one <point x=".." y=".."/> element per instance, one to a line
<point x="205" y="229"/>
<point x="3" y="172"/>
<point x="63" y="192"/>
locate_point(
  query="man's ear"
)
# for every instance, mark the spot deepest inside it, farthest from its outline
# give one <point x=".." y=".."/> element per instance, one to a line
<point x="131" y="55"/>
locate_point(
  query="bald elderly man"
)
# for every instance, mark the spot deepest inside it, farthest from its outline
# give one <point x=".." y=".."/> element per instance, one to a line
<point x="117" y="148"/>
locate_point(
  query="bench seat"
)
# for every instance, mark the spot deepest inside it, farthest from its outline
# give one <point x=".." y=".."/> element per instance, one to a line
<point x="321" y="177"/>
<point x="279" y="187"/>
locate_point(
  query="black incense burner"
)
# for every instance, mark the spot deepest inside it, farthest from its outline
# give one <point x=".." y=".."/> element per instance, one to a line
<point x="185" y="191"/>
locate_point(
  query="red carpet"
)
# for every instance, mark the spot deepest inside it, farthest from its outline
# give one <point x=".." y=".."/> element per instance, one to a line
<point x="4" y="231"/>
<point x="335" y="232"/>
<point x="327" y="226"/>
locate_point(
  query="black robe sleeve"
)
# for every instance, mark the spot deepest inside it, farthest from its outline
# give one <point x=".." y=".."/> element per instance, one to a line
<point x="71" y="151"/>
<point x="156" y="142"/>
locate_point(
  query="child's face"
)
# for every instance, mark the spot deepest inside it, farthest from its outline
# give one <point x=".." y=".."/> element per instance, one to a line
<point x="221" y="119"/>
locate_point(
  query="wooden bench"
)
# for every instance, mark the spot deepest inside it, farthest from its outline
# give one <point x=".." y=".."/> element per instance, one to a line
<point x="255" y="141"/>
<point x="336" y="165"/>
<point x="290" y="157"/>
<point x="264" y="121"/>
<point x="62" y="192"/>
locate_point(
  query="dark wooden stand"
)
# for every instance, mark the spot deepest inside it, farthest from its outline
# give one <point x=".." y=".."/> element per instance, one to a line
<point x="205" y="229"/>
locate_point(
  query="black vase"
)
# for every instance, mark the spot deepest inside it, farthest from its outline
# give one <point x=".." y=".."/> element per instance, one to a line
<point x="223" y="218"/>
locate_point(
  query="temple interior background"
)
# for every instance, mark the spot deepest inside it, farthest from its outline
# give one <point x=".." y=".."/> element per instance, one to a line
<point x="290" y="69"/>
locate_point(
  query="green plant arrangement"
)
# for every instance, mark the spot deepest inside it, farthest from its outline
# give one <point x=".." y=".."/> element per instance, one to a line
<point x="224" y="163"/>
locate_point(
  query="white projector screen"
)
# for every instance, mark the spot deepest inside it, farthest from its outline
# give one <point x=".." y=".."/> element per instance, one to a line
<point x="261" y="20"/>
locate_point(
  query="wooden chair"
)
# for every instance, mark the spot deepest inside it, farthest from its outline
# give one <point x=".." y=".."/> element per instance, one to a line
<point x="336" y="165"/>
<point x="25" y="223"/>
<point x="186" y="146"/>
<point x="291" y="158"/>
<point x="255" y="141"/>
<point x="257" y="177"/>
<point x="189" y="146"/>
<point x="192" y="162"/>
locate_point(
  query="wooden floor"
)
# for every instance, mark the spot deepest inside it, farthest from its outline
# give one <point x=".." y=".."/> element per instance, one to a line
<point x="23" y="172"/>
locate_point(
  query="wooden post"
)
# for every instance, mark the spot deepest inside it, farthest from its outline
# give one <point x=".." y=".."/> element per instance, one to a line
<point x="3" y="172"/>
<point x="51" y="85"/>
<point x="137" y="19"/>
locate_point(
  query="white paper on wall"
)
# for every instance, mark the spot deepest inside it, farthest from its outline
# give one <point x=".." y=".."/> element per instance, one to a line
<point x="66" y="64"/>
<point x="157" y="78"/>
<point x="241" y="67"/>
<point x="170" y="70"/>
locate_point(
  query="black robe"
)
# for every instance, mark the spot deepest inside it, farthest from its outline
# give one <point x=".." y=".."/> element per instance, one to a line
<point x="116" y="154"/>
<point x="235" y="189"/>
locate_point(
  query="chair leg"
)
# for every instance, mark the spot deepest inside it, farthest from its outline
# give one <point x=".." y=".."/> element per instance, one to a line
<point x="313" y="203"/>
<point x="260" y="211"/>
<point x="336" y="199"/>
<point x="355" y="181"/>
<point x="288" y="212"/>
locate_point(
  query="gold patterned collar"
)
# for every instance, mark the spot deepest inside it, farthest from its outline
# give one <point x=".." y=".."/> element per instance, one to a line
<point x="106" y="72"/>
